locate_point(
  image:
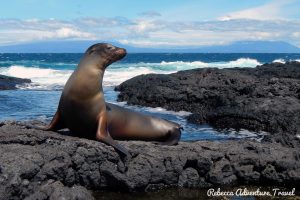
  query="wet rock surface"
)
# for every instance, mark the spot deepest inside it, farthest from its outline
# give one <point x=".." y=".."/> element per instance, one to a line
<point x="10" y="83"/>
<point x="48" y="165"/>
<point x="265" y="98"/>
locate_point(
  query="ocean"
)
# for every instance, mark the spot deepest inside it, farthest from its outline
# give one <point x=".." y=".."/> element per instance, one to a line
<point x="49" y="72"/>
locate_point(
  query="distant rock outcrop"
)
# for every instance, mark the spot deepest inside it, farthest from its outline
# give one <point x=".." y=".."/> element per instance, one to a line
<point x="10" y="83"/>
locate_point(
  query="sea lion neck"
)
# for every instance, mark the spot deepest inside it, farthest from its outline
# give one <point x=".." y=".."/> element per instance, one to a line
<point x="93" y="62"/>
<point x="92" y="75"/>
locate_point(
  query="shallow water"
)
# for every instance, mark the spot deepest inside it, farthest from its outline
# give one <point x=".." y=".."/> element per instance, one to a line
<point x="41" y="105"/>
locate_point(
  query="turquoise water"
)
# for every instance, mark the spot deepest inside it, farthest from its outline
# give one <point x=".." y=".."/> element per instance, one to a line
<point x="49" y="73"/>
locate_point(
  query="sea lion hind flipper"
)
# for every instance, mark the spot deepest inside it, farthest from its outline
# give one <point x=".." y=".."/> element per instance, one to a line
<point x="55" y="124"/>
<point x="173" y="138"/>
<point x="110" y="141"/>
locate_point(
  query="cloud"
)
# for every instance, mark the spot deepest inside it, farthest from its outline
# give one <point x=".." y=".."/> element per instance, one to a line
<point x="17" y="36"/>
<point x="197" y="33"/>
<point x="272" y="10"/>
<point x="101" y="22"/>
<point x="296" y="35"/>
<point x="149" y="31"/>
<point x="71" y="33"/>
<point x="146" y="26"/>
<point x="194" y="38"/>
<point x="150" y="14"/>
<point x="16" y="30"/>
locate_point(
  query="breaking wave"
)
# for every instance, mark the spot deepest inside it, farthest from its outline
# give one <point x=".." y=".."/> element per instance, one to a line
<point x="54" y="78"/>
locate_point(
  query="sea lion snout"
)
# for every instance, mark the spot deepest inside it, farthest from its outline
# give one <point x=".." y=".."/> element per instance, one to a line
<point x="121" y="51"/>
<point x="115" y="54"/>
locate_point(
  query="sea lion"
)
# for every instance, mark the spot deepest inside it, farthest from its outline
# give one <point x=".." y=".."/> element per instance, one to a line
<point x="83" y="110"/>
<point x="125" y="124"/>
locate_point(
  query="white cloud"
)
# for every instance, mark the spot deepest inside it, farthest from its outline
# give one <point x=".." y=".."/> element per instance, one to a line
<point x="102" y="22"/>
<point x="296" y="35"/>
<point x="15" y="36"/>
<point x="145" y="26"/>
<point x="15" y="31"/>
<point x="71" y="33"/>
<point x="196" y="38"/>
<point x="149" y="32"/>
<point x="267" y="11"/>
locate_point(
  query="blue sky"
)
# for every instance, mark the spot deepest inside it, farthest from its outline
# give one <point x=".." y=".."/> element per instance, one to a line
<point x="68" y="9"/>
<point x="157" y="23"/>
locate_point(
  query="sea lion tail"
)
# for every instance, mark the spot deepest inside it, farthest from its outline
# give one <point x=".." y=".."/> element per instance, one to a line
<point x="174" y="136"/>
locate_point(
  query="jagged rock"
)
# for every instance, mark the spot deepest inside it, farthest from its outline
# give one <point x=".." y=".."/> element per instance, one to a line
<point x="189" y="178"/>
<point x="57" y="191"/>
<point x="46" y="165"/>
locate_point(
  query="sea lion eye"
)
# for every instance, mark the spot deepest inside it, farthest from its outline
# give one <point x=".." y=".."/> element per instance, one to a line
<point x="109" y="47"/>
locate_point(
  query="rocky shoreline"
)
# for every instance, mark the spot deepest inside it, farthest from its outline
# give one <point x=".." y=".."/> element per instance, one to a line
<point x="265" y="98"/>
<point x="11" y="83"/>
<point x="47" y="165"/>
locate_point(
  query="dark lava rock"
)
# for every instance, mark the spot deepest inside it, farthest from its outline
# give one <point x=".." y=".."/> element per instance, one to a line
<point x="46" y="165"/>
<point x="265" y="98"/>
<point x="56" y="190"/>
<point x="10" y="83"/>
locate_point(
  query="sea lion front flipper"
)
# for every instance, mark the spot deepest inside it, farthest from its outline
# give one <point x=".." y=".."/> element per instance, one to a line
<point x="103" y="136"/>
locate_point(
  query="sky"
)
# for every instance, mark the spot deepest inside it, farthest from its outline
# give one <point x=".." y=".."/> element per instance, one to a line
<point x="150" y="23"/>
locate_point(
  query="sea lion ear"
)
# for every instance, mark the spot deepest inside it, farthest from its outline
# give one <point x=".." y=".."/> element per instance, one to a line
<point x="91" y="49"/>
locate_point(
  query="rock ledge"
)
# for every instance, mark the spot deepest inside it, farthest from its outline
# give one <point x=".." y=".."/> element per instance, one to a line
<point x="42" y="165"/>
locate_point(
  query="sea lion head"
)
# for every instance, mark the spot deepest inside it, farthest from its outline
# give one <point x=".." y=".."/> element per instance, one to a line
<point x="105" y="54"/>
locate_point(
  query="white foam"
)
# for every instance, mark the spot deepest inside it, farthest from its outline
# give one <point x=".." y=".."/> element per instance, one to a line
<point x="283" y="61"/>
<point x="153" y="110"/>
<point x="280" y="60"/>
<point x="241" y="62"/>
<point x="41" y="78"/>
<point x="114" y="77"/>
<point x="45" y="78"/>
